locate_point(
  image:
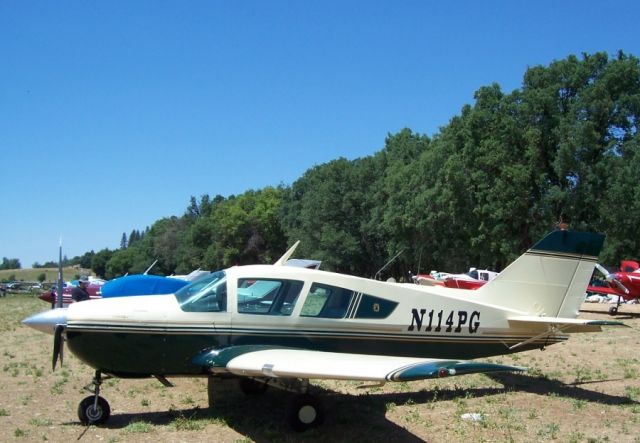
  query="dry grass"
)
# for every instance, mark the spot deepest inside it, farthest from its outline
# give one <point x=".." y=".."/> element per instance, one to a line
<point x="585" y="390"/>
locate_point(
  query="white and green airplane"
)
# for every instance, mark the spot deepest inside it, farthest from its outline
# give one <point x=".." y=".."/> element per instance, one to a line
<point x="282" y="326"/>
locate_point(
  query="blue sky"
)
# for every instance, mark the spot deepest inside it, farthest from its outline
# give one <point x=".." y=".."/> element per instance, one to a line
<point x="113" y="113"/>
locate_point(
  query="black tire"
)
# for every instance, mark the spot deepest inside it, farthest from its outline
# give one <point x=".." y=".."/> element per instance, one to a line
<point x="250" y="386"/>
<point x="613" y="310"/>
<point x="305" y="412"/>
<point x="90" y="415"/>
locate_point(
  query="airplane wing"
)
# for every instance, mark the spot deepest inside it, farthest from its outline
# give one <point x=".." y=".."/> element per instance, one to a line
<point x="255" y="361"/>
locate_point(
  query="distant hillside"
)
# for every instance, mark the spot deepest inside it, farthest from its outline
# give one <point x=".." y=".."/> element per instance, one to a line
<point x="31" y="274"/>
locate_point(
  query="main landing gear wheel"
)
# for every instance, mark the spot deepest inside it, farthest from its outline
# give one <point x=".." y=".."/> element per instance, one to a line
<point x="250" y="386"/>
<point x="92" y="411"/>
<point x="613" y="310"/>
<point x="305" y="412"/>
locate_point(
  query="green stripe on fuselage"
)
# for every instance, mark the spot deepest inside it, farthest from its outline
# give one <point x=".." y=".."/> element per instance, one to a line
<point x="137" y="353"/>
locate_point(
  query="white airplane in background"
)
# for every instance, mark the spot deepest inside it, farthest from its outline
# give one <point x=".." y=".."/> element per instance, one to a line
<point x="280" y="325"/>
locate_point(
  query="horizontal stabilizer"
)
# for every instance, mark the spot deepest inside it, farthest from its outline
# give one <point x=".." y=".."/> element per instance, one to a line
<point x="567" y="325"/>
<point x="255" y="361"/>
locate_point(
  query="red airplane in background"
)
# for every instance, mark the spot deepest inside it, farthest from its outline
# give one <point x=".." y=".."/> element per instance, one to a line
<point x="625" y="283"/>
<point x="473" y="279"/>
<point x="50" y="296"/>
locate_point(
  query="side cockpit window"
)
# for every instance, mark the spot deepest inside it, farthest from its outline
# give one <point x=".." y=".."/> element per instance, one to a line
<point x="327" y="301"/>
<point x="267" y="296"/>
<point x="205" y="295"/>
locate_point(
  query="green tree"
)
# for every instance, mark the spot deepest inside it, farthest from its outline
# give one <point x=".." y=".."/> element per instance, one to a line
<point x="239" y="230"/>
<point x="99" y="262"/>
<point x="125" y="261"/>
<point x="84" y="261"/>
<point x="329" y="210"/>
<point x="165" y="243"/>
<point x="10" y="263"/>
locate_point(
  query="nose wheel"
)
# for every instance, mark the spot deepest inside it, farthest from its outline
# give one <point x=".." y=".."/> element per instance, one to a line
<point x="94" y="410"/>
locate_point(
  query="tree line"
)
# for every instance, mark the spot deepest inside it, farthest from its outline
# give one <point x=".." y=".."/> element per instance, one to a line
<point x="10" y="263"/>
<point x="563" y="147"/>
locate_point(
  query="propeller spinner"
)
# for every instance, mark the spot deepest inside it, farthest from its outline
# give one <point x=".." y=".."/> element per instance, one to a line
<point x="54" y="322"/>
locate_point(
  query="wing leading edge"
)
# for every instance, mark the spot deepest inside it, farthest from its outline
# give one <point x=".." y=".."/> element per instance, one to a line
<point x="254" y="361"/>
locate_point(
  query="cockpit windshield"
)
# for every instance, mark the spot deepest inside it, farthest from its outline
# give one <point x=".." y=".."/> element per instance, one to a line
<point x="208" y="294"/>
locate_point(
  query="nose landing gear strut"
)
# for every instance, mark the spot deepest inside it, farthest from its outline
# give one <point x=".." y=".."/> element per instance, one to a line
<point x="94" y="410"/>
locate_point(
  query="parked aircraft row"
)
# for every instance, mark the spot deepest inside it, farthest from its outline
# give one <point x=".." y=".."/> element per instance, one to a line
<point x="624" y="284"/>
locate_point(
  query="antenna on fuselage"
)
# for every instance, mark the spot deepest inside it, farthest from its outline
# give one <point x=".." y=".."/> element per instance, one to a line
<point x="375" y="277"/>
<point x="287" y="254"/>
<point x="149" y="268"/>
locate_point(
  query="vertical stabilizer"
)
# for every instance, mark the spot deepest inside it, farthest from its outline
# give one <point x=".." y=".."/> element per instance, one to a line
<point x="550" y="279"/>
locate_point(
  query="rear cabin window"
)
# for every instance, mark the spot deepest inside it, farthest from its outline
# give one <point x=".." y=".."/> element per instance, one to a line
<point x="326" y="301"/>
<point x="371" y="307"/>
<point x="267" y="296"/>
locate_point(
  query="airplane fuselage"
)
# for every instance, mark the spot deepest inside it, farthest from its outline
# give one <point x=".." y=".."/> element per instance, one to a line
<point x="159" y="335"/>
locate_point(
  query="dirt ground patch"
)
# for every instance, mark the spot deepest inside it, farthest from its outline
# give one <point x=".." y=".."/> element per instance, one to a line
<point x="586" y="389"/>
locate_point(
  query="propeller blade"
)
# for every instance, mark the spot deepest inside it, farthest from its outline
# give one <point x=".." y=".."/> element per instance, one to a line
<point x="620" y="285"/>
<point x="58" y="345"/>
<point x="602" y="270"/>
<point x="611" y="277"/>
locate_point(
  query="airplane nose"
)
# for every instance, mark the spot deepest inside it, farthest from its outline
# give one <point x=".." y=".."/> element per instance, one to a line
<point x="47" y="321"/>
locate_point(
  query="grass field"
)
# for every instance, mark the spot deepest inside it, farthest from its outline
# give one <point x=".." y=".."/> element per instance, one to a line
<point x="584" y="390"/>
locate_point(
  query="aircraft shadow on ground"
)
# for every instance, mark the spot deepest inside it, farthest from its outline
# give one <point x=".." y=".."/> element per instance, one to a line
<point x="348" y="417"/>
<point x="262" y="418"/>
<point x="621" y="315"/>
<point x="546" y="386"/>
